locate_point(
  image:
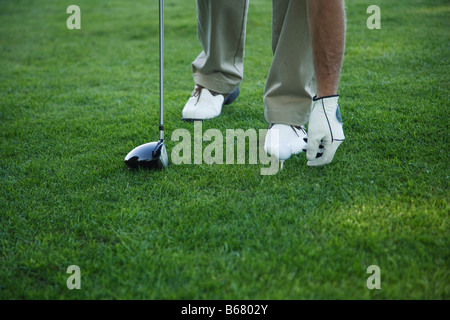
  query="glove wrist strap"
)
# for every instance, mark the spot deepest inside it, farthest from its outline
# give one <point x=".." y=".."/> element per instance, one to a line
<point x="326" y="97"/>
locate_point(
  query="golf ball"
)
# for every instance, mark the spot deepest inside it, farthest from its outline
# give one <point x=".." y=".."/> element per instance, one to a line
<point x="282" y="151"/>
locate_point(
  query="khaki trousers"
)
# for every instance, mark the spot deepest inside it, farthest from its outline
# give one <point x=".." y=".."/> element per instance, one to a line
<point x="290" y="83"/>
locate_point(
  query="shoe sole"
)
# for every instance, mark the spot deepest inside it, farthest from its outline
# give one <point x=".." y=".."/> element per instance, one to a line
<point x="229" y="99"/>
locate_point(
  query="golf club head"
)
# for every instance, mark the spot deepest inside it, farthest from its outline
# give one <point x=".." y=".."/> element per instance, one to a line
<point x="152" y="155"/>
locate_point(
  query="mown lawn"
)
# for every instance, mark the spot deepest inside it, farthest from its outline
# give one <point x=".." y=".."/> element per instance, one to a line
<point x="74" y="102"/>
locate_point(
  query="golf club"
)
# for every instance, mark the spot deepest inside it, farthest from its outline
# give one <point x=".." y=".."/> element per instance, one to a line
<point x="153" y="155"/>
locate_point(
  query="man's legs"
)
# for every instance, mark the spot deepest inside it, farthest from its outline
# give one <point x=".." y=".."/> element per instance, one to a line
<point x="290" y="84"/>
<point x="219" y="69"/>
<point x="308" y="40"/>
<point x="221" y="28"/>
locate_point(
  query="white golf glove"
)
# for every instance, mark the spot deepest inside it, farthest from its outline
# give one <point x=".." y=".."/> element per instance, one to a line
<point x="324" y="130"/>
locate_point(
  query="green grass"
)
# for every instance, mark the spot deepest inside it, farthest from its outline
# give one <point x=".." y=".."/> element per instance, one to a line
<point x="74" y="102"/>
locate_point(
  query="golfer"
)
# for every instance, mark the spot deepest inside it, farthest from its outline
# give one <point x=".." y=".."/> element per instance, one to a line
<point x="308" y="40"/>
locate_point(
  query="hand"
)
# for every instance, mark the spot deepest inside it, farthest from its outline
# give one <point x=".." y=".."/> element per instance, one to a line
<point x="324" y="130"/>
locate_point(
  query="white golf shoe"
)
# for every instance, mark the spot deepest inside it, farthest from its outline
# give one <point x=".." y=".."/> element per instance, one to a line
<point x="205" y="104"/>
<point x="283" y="140"/>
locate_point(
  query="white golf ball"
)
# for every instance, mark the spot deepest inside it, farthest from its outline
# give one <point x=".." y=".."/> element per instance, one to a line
<point x="282" y="151"/>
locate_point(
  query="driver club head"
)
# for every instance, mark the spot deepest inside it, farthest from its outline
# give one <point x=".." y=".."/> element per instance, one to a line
<point x="152" y="155"/>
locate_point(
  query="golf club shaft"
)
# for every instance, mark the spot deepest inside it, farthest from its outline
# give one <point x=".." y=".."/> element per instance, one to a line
<point x="161" y="69"/>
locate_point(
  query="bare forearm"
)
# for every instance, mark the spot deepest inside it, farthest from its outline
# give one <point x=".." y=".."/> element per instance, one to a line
<point x="327" y="27"/>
